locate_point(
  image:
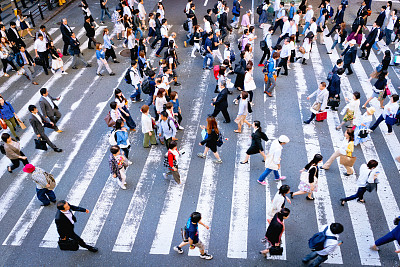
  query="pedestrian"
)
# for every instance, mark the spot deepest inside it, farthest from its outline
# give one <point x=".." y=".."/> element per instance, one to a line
<point x="121" y="137"/>
<point x="167" y="129"/>
<point x="330" y="242"/>
<point x="279" y="201"/>
<point x="208" y="52"/>
<point x="13" y="152"/>
<point x="305" y="49"/>
<point x="273" y="159"/>
<point x="13" y="35"/>
<point x="158" y="30"/>
<point x="41" y="52"/>
<point x="339" y="37"/>
<point x="49" y="108"/>
<point x="285" y="29"/>
<point x="56" y="60"/>
<point x="171" y="162"/>
<point x="383" y="66"/>
<point x="392" y="19"/>
<point x="23" y="24"/>
<point x="389" y="237"/>
<point x="284" y="58"/>
<point x="44" y="184"/>
<point x="249" y="84"/>
<point x="122" y="105"/>
<point x="8" y="116"/>
<point x="388" y="115"/>
<point x="90" y="32"/>
<point x="142" y="14"/>
<point x="320" y="102"/>
<point x="192" y="236"/>
<point x="220" y="103"/>
<point x="104" y="10"/>
<point x="6" y="59"/>
<point x="87" y="14"/>
<point x="334" y="89"/>
<point x="210" y="135"/>
<point x="307" y="19"/>
<point x="351" y="111"/>
<point x="263" y="19"/>
<point x="176" y="106"/>
<point x="242" y="112"/>
<point x="236" y="13"/>
<point x="346" y="148"/>
<point x="148" y="127"/>
<point x="25" y="61"/>
<point x="66" y="32"/>
<point x="160" y="101"/>
<point x="267" y="49"/>
<point x="75" y="51"/>
<point x="101" y="60"/>
<point x="118" y="164"/>
<point x="65" y="221"/>
<point x="38" y="122"/>
<point x="169" y="108"/>
<point x="338" y="20"/>
<point x="361" y="133"/>
<point x="108" y="45"/>
<point x="270" y="71"/>
<point x="164" y="36"/>
<point x="356" y="29"/>
<point x="152" y="27"/>
<point x="275" y="231"/>
<point x="309" y="178"/>
<point x="379" y="89"/>
<point x="280" y="14"/>
<point x="256" y="146"/>
<point x="367" y="175"/>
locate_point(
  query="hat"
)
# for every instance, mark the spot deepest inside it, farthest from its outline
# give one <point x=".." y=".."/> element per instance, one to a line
<point x="29" y="168"/>
<point x="283" y="139"/>
<point x="371" y="110"/>
<point x="352" y="42"/>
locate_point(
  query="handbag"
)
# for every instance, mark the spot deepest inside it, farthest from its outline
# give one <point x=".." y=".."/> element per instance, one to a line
<point x="379" y="68"/>
<point x="38" y="61"/>
<point x="40" y="144"/>
<point x="276" y="250"/>
<point x="68" y="244"/>
<point x="50" y="180"/>
<point x="263" y="45"/>
<point x="334" y="102"/>
<point x="239" y="69"/>
<point x="109" y="121"/>
<point x="387" y="90"/>
<point x="347" y="161"/>
<point x="3" y="124"/>
<point x="21" y="124"/>
<point x="316" y="106"/>
<point x="249" y="109"/>
<point x="304" y="177"/>
<point x="363" y="133"/>
<point x="390" y="121"/>
<point x="302" y="50"/>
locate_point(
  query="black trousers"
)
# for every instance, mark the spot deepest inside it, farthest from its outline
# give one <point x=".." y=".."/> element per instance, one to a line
<point x="44" y="56"/>
<point x="79" y="239"/>
<point x="91" y="41"/>
<point x="348" y="67"/>
<point x="65" y="49"/>
<point x="366" y="48"/>
<point x="46" y="138"/>
<point x="158" y="38"/>
<point x="282" y="38"/>
<point x="110" y="53"/>
<point x="15" y="162"/>
<point x="283" y="63"/>
<point x="5" y="64"/>
<point x="277" y="24"/>
<point x="267" y="52"/>
<point x="337" y="26"/>
<point x="224" y="113"/>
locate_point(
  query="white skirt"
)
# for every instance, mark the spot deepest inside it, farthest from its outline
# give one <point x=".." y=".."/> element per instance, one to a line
<point x="56" y="64"/>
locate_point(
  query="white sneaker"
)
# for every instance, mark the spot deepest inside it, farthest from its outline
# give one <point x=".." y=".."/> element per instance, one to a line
<point x="193" y="56"/>
<point x="180" y="128"/>
<point x="235" y="101"/>
<point x="64" y="73"/>
<point x="52" y="71"/>
<point x="206" y="256"/>
<point x="165" y="176"/>
<point x="123" y="187"/>
<point x="178" y="249"/>
<point x="124" y="183"/>
<point x="389" y="133"/>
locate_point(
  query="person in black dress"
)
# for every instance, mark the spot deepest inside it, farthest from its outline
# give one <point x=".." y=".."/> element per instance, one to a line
<point x="239" y="82"/>
<point x="275" y="230"/>
<point x="256" y="145"/>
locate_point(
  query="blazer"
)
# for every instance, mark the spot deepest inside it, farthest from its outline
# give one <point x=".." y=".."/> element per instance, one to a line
<point x="46" y="108"/>
<point x="20" y="60"/>
<point x="46" y="36"/>
<point x="90" y="32"/>
<point x="381" y="18"/>
<point x="64" y="226"/>
<point x="339" y="17"/>
<point x="12" y="36"/>
<point x="334" y="85"/>
<point x="74" y="49"/>
<point x="370" y="39"/>
<point x="360" y="10"/>
<point x="38" y="128"/>
<point x="222" y="100"/>
<point x="350" y="54"/>
<point x="256" y="139"/>
<point x="66" y="34"/>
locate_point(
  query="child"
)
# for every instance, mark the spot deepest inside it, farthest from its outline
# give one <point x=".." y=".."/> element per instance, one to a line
<point x="177" y="109"/>
<point x="171" y="162"/>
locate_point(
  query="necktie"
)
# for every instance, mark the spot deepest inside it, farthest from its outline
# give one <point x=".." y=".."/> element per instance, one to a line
<point x="25" y="59"/>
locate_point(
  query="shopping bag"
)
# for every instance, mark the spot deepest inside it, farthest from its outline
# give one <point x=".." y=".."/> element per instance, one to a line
<point x="321" y="116"/>
<point x="347" y="161"/>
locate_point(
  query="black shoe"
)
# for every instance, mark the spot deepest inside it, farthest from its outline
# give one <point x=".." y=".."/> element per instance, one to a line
<point x="306" y="122"/>
<point x="57" y="149"/>
<point x="54" y="201"/>
<point x="327" y="35"/>
<point x="329" y="53"/>
<point x="116" y="61"/>
<point x="88" y="65"/>
<point x="75" y="68"/>
<point x="342" y="202"/>
<point x="66" y="54"/>
<point x="346" y="174"/>
<point x="9" y="169"/>
<point x="44" y="205"/>
<point x="177" y="84"/>
<point x="92" y="249"/>
<point x="284" y="74"/>
<point x="17" y="138"/>
<point x="152" y="47"/>
<point x="350" y="73"/>
<point x="230" y="92"/>
<point x="309" y="198"/>
<point x="90" y="47"/>
<point x="99" y="74"/>
<point x="226" y="121"/>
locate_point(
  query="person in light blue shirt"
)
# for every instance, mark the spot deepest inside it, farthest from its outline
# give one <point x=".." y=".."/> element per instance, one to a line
<point x="292" y="10"/>
<point x="108" y="45"/>
<point x="101" y="60"/>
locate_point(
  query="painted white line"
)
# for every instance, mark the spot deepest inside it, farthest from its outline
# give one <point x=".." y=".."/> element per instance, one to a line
<point x="239" y="223"/>
<point x="361" y="227"/>
<point x="169" y="214"/>
<point x="133" y="217"/>
<point x="322" y="202"/>
<point x="205" y="3"/>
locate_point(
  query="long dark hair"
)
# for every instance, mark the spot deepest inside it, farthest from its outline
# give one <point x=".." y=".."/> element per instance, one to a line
<point x="118" y="124"/>
<point x="120" y="98"/>
<point x="317" y="158"/>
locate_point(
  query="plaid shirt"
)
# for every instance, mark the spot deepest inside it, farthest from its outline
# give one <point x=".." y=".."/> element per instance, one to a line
<point x="39" y="178"/>
<point x="116" y="163"/>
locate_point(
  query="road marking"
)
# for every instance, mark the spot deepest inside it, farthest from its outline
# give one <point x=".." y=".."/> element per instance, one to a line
<point x="205" y="3"/>
<point x="361" y="227"/>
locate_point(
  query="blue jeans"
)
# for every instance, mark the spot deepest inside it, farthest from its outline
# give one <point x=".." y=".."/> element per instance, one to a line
<point x="265" y="174"/>
<point x="389" y="237"/>
<point x="337" y="43"/>
<point x="317" y="262"/>
<point x="137" y="93"/>
<point x="140" y="31"/>
<point x="306" y="27"/>
<point x="104" y="11"/>
<point x="313" y="115"/>
<point x="208" y="56"/>
<point x="388" y="34"/>
<point x="164" y="42"/>
<point x="374" y="46"/>
<point x="41" y="195"/>
<point x="360" y="194"/>
<point x="378" y="121"/>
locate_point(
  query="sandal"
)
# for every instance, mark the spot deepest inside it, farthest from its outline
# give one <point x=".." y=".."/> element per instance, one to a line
<point x="237" y="131"/>
<point x="9" y="169"/>
<point x="361" y="201"/>
<point x="308" y="198"/>
<point x="264" y="254"/>
<point x="244" y="162"/>
<point x="342" y="202"/>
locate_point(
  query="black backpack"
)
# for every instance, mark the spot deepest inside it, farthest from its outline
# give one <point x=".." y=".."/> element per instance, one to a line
<point x="2" y="150"/>
<point x="215" y="9"/>
<point x="128" y="79"/>
<point x="260" y="9"/>
<point x="186" y="25"/>
<point x="355" y="25"/>
<point x="146" y="86"/>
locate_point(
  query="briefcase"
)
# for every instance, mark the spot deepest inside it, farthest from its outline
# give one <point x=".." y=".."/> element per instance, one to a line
<point x="321" y="116"/>
<point x="38" y="61"/>
<point x="68" y="244"/>
<point x="40" y="144"/>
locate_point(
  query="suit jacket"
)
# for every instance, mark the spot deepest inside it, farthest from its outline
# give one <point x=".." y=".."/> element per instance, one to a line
<point x="339" y="17"/>
<point x="64" y="226"/>
<point x="20" y="60"/>
<point x="350" y="54"/>
<point x="362" y="8"/>
<point x="74" y="46"/>
<point x="90" y="32"/>
<point x="66" y="34"/>
<point x="38" y="128"/>
<point x="46" y="108"/>
<point x="371" y="36"/>
<point x="381" y="18"/>
<point x="334" y="85"/>
<point x="223" y="21"/>
<point x="256" y="139"/>
<point x="222" y="100"/>
<point x="12" y="36"/>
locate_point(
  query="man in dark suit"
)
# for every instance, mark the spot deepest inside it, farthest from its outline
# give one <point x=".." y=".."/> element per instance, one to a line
<point x="66" y="32"/>
<point x="381" y="17"/>
<point x="338" y="19"/>
<point x="362" y="9"/>
<point x="158" y="31"/>
<point x="14" y="36"/>
<point x="75" y="51"/>
<point x="224" y="26"/>
<point x="25" y="61"/>
<point x="90" y="32"/>
<point x="369" y="41"/>
<point x="38" y="123"/>
<point x="221" y="103"/>
<point x="65" y="221"/>
<point x="46" y="36"/>
<point x="349" y="56"/>
<point x="49" y="108"/>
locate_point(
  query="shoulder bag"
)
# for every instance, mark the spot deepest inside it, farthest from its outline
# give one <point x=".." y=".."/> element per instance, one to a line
<point x="276" y="250"/>
<point x="347" y="161"/>
<point x="316" y="106"/>
<point x="2" y="121"/>
<point x="68" y="244"/>
<point x="109" y="121"/>
<point x="50" y="180"/>
<point x="390" y="120"/>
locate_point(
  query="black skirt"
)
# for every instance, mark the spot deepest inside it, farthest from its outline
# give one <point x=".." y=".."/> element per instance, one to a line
<point x="254" y="150"/>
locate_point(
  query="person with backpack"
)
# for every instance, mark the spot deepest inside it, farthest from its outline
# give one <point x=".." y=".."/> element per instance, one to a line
<point x="121" y="137"/>
<point x="170" y="162"/>
<point x="210" y="135"/>
<point x="274" y="233"/>
<point x="167" y="129"/>
<point x="262" y="11"/>
<point x="118" y="164"/>
<point x="270" y="70"/>
<point x="196" y="40"/>
<point x="323" y="244"/>
<point x="12" y="151"/>
<point x="356" y="29"/>
<point x="236" y="13"/>
<point x="122" y="105"/>
<point x="191" y="236"/>
<point x="134" y="78"/>
<point x="266" y="46"/>
<point x="8" y="116"/>
<point x="389" y="237"/>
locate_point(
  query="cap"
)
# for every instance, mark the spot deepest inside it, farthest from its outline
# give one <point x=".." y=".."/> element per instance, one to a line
<point x="29" y="168"/>
<point x="352" y="42"/>
<point x="371" y="110"/>
<point x="283" y="139"/>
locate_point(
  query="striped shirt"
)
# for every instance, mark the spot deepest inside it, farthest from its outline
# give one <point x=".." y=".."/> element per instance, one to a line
<point x="39" y="178"/>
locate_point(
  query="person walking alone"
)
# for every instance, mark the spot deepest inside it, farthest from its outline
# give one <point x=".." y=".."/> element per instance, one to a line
<point x="13" y="152"/>
<point x="44" y="189"/>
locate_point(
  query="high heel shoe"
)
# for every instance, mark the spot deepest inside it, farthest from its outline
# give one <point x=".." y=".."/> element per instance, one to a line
<point x="291" y="195"/>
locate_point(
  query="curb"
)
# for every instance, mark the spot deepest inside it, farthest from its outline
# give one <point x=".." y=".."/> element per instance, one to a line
<point x="58" y="11"/>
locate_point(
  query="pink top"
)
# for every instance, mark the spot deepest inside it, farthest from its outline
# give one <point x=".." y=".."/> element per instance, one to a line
<point x="245" y="20"/>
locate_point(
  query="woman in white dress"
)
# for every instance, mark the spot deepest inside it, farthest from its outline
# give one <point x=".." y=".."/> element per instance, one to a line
<point x="249" y="84"/>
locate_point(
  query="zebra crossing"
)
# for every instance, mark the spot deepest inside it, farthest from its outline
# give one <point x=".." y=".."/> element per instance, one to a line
<point x="146" y="177"/>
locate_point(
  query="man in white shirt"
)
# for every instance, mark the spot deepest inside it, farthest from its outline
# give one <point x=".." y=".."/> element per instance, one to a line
<point x="285" y="53"/>
<point x="164" y="37"/>
<point x="207" y="25"/>
<point x="279" y="17"/>
<point x="313" y="27"/>
<point x="296" y="19"/>
<point x="330" y="244"/>
<point x="390" y="110"/>
<point x="126" y="9"/>
<point x="42" y="52"/>
<point x="285" y="30"/>
<point x="142" y="14"/>
<point x="390" y="26"/>
<point x="307" y="18"/>
<point x="136" y="82"/>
